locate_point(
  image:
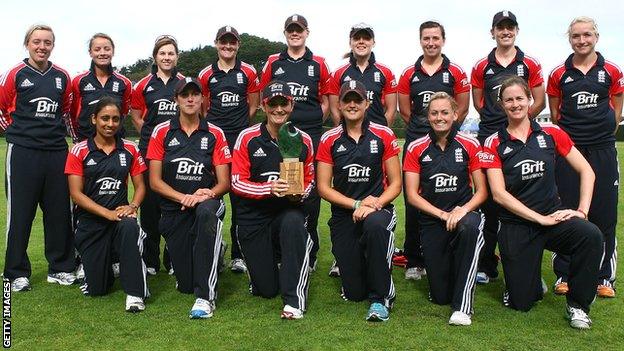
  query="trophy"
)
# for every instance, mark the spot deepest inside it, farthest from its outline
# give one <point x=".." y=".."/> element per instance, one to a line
<point x="290" y="144"/>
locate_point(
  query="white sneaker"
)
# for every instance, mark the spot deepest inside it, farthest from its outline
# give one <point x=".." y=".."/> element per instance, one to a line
<point x="238" y="266"/>
<point x="290" y="312"/>
<point x="171" y="271"/>
<point x="20" y="284"/>
<point x="415" y="273"/>
<point x="460" y="318"/>
<point x="151" y="271"/>
<point x="80" y="274"/>
<point x="134" y="304"/>
<point x="116" y="270"/>
<point x="578" y="318"/>
<point x="334" y="271"/>
<point x="202" y="309"/>
<point x="482" y="278"/>
<point x="63" y="278"/>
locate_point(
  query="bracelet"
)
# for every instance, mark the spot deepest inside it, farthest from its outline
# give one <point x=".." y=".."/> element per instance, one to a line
<point x="583" y="212"/>
<point x="133" y="205"/>
<point x="357" y="204"/>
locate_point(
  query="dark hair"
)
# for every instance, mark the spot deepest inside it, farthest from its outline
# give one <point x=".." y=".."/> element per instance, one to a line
<point x="105" y="101"/>
<point x="103" y="36"/>
<point x="511" y="81"/>
<point x="162" y="41"/>
<point x="432" y="24"/>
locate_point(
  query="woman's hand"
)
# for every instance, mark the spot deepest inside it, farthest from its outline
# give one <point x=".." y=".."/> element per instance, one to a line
<point x="372" y="202"/>
<point x="126" y="211"/>
<point x="454" y="217"/>
<point x="361" y="213"/>
<point x="279" y="187"/>
<point x="112" y="216"/>
<point x="564" y="215"/>
<point x="205" y="192"/>
<point x="191" y="200"/>
<point x="547" y="220"/>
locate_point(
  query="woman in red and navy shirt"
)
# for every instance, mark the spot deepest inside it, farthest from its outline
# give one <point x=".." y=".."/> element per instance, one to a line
<point x="359" y="173"/>
<point x="97" y="170"/>
<point x="189" y="169"/>
<point x="440" y="171"/>
<point x="520" y="162"/>
<point x="585" y="99"/>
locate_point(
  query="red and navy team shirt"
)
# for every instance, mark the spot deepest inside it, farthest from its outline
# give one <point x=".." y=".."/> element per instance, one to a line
<point x="419" y="85"/>
<point x="308" y="78"/>
<point x="358" y="166"/>
<point x="528" y="168"/>
<point x="227" y="92"/>
<point x="87" y="91"/>
<point x="378" y="80"/>
<point x="105" y="176"/>
<point x="445" y="175"/>
<point x="188" y="162"/>
<point x="585" y="110"/>
<point x="35" y="105"/>
<point x="488" y="75"/>
<point x="155" y="100"/>
<point x="255" y="165"/>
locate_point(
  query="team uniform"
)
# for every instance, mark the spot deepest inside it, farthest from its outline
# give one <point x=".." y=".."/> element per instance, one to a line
<point x="193" y="235"/>
<point x="363" y="250"/>
<point x="271" y="230"/>
<point x="488" y="74"/>
<point x="529" y="175"/>
<point x="229" y="110"/>
<point x="87" y="91"/>
<point x="154" y="98"/>
<point x="106" y="183"/>
<point x="587" y="116"/>
<point x="451" y="258"/>
<point x="419" y="85"/>
<point x="308" y="78"/>
<point x="376" y="77"/>
<point x="33" y="108"/>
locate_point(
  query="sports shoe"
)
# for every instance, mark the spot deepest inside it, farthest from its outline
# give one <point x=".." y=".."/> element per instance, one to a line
<point x="202" y="309"/>
<point x="171" y="271"/>
<point x="63" y="278"/>
<point x="20" y="284"/>
<point x="238" y="266"/>
<point x="334" y="271"/>
<point x="460" y="318"/>
<point x="398" y="258"/>
<point x="116" y="270"/>
<point x="605" y="290"/>
<point x="290" y="313"/>
<point x="377" y="313"/>
<point x="482" y="278"/>
<point x="415" y="273"/>
<point x="80" y="274"/>
<point x="561" y="287"/>
<point x="151" y="271"/>
<point x="506" y="301"/>
<point x="578" y="318"/>
<point x="134" y="304"/>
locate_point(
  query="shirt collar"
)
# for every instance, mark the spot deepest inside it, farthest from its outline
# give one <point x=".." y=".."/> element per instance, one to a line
<point x="175" y="123"/>
<point x="599" y="61"/>
<point x="109" y="68"/>
<point x="119" y="144"/>
<point x="505" y="136"/>
<point x="371" y="59"/>
<point x="519" y="56"/>
<point x="215" y="65"/>
<point x="445" y="63"/>
<point x="306" y="56"/>
<point x="449" y="137"/>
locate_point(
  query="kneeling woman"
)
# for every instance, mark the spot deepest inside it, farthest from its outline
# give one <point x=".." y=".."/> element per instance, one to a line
<point x="440" y="169"/>
<point x="520" y="162"/>
<point x="97" y="170"/>
<point x="189" y="167"/>
<point x="360" y="158"/>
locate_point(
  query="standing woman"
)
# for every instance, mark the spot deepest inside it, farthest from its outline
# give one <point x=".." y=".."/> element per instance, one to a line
<point x="153" y="103"/>
<point x="308" y="77"/>
<point x="585" y="99"/>
<point x="504" y="60"/>
<point x="97" y="170"/>
<point x="520" y="162"/>
<point x="35" y="99"/>
<point x="100" y="80"/>
<point x="362" y="66"/>
<point x="230" y="100"/>
<point x="189" y="169"/>
<point x="359" y="173"/>
<point x="440" y="170"/>
<point x="432" y="72"/>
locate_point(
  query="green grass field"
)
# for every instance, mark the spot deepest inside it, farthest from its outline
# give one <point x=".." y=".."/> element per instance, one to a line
<point x="56" y="317"/>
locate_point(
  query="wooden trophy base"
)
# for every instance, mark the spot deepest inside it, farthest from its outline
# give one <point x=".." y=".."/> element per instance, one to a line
<point x="291" y="170"/>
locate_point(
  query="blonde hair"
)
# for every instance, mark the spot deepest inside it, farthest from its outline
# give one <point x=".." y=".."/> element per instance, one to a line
<point x="583" y="19"/>
<point x="35" y="27"/>
<point x="440" y="95"/>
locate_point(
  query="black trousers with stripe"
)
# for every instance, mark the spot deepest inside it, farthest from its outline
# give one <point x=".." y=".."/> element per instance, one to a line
<point x="96" y="238"/>
<point x="363" y="252"/>
<point x="193" y="239"/>
<point x="284" y="240"/>
<point x="603" y="209"/>
<point x="451" y="260"/>
<point x="412" y="249"/>
<point x="36" y="177"/>
<point x="488" y="262"/>
<point x="522" y="245"/>
<point x="235" y="251"/>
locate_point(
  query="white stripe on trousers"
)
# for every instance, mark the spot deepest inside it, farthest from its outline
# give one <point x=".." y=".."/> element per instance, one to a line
<point x="8" y="180"/>
<point x="389" y="252"/>
<point x="302" y="284"/>
<point x="142" y="236"/>
<point x="468" y="293"/>
<point x="214" y="272"/>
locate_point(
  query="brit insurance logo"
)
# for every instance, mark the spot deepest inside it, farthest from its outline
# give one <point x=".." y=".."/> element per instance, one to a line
<point x="108" y="186"/>
<point x="585" y="100"/>
<point x="357" y="173"/>
<point x="46" y="107"/>
<point x="426" y="96"/>
<point x="299" y="91"/>
<point x="166" y="107"/>
<point x="270" y="176"/>
<point x="531" y="169"/>
<point x="228" y="99"/>
<point x="444" y="183"/>
<point x="188" y="169"/>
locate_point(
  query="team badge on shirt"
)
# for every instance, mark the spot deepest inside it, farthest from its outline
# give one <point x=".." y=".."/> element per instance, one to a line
<point x="311" y="70"/>
<point x="239" y="78"/>
<point x="601" y="76"/>
<point x="520" y="71"/>
<point x="374" y="148"/>
<point x="459" y="156"/>
<point x="377" y="77"/>
<point x="122" y="160"/>
<point x="204" y="143"/>
<point x="116" y="87"/>
<point x="59" y="83"/>
<point x="541" y="141"/>
<point x="445" y="77"/>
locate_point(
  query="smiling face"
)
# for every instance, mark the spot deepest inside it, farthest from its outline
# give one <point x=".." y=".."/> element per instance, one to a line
<point x="441" y="115"/>
<point x="227" y="47"/>
<point x="583" y="38"/>
<point x="39" y="46"/>
<point x="107" y="121"/>
<point x="101" y="51"/>
<point x="431" y="42"/>
<point x="166" y="57"/>
<point x="361" y="44"/>
<point x="515" y="102"/>
<point x="296" y="36"/>
<point x="505" y="33"/>
<point x="353" y="107"/>
<point x="278" y="110"/>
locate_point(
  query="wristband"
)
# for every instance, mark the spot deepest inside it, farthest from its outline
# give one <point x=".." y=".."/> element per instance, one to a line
<point x="357" y="204"/>
<point x="583" y="212"/>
